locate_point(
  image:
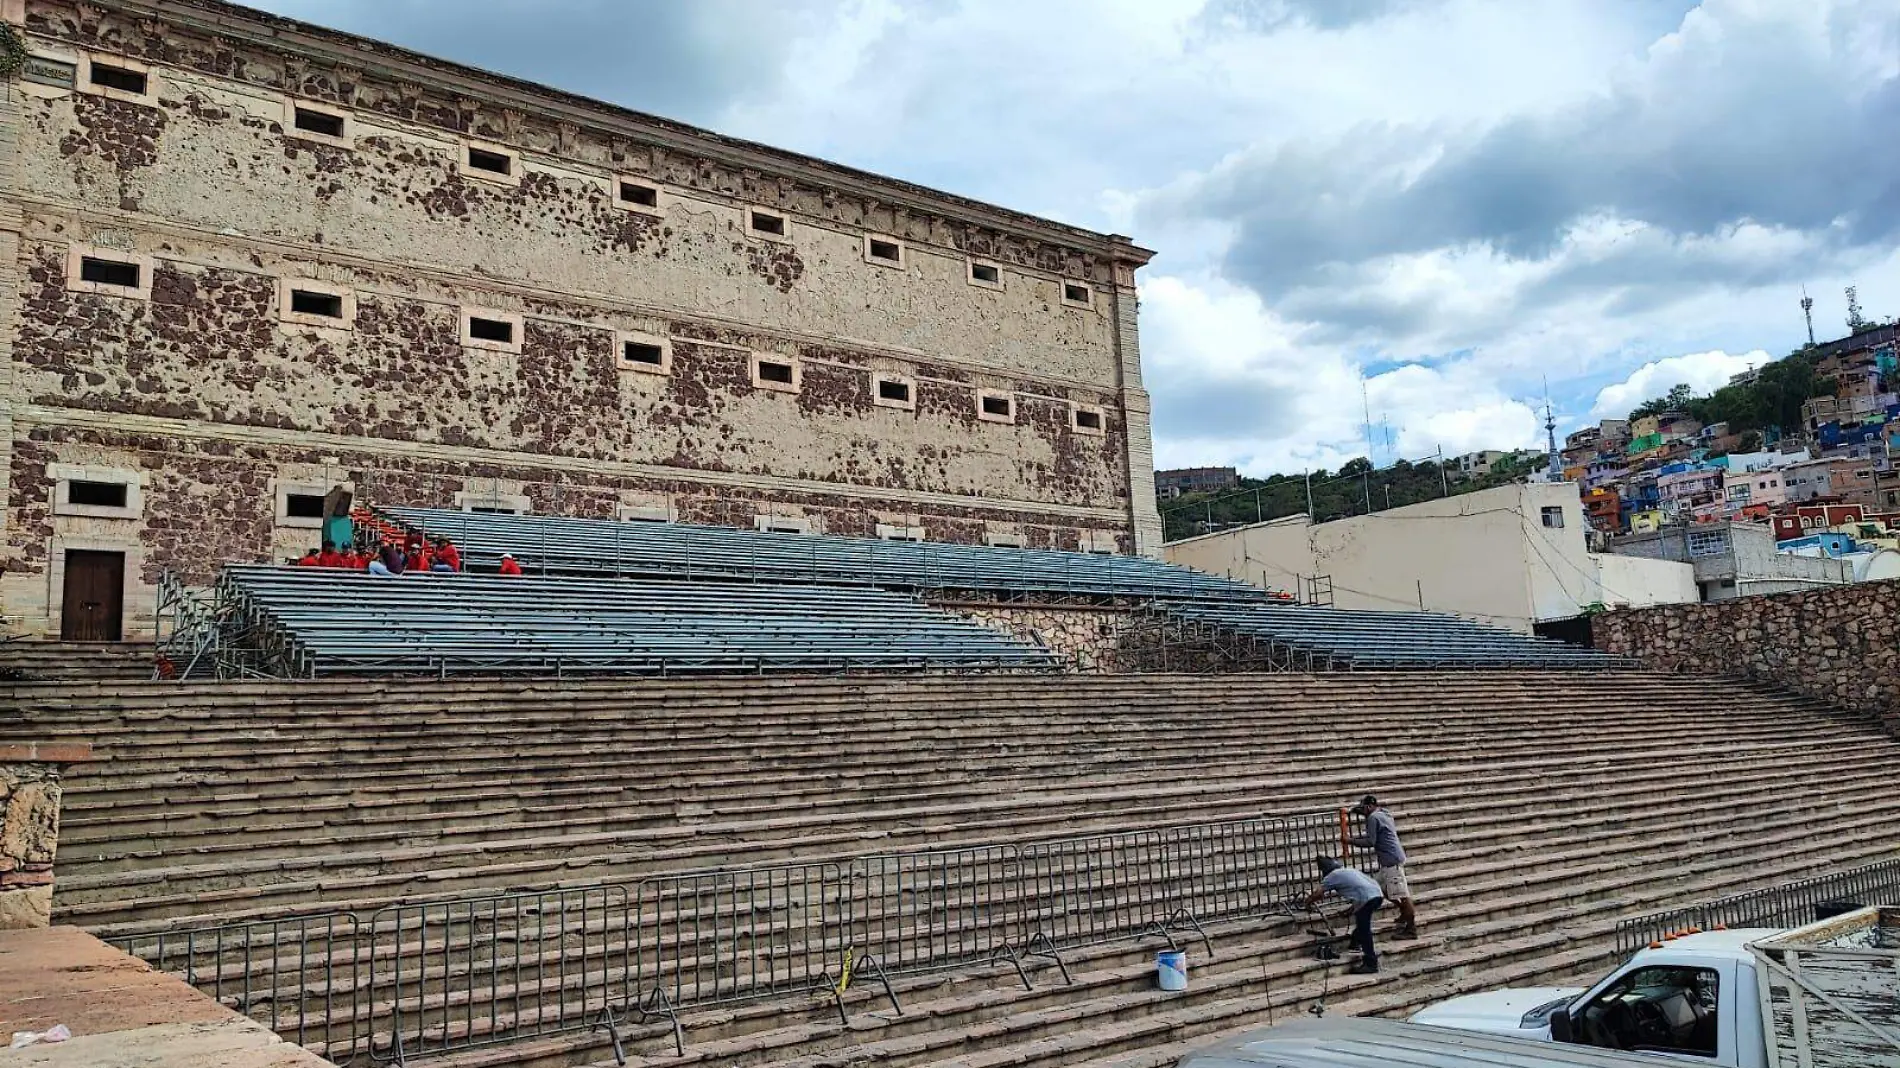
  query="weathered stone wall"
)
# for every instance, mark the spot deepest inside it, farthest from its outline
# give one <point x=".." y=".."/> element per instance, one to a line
<point x="29" y="830"/>
<point x="209" y="500"/>
<point x="1091" y="638"/>
<point x="1840" y="644"/>
<point x="204" y="382"/>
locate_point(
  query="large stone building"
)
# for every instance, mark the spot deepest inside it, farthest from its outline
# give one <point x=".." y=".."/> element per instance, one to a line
<point x="248" y="260"/>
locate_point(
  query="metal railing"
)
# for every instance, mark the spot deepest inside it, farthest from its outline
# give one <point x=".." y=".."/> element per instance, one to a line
<point x="296" y="976"/>
<point x="1788" y="905"/>
<point x="423" y="978"/>
<point x="455" y="974"/>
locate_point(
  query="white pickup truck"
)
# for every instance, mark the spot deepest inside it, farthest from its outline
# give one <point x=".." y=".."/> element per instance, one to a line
<point x="1829" y="991"/>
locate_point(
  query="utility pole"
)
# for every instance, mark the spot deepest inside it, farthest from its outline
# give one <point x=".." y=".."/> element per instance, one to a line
<point x="1365" y="477"/>
<point x="1807" y="313"/>
<point x="1444" y="481"/>
<point x="1309" y="496"/>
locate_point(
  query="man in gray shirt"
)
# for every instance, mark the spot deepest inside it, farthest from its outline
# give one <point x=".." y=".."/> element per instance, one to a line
<point x="1358" y="888"/>
<point x="1382" y="837"/>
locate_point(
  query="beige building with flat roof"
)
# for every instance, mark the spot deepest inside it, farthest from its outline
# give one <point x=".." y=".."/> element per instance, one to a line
<point x="1513" y="556"/>
<point x="248" y="260"/>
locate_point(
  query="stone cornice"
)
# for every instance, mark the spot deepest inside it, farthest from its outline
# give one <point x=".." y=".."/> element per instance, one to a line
<point x="375" y="59"/>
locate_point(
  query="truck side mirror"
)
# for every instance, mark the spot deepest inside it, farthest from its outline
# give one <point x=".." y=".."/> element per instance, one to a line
<point x="1562" y="1027"/>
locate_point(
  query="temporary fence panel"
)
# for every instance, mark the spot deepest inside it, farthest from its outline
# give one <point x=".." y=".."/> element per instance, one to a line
<point x="926" y="911"/>
<point x="296" y="976"/>
<point x="715" y="937"/>
<point x="1788" y="905"/>
<point x="480" y="971"/>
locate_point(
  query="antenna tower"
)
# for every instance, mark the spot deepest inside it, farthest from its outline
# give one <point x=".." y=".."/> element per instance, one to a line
<point x="1554" y="467"/>
<point x="1807" y="312"/>
<point x="1855" y="323"/>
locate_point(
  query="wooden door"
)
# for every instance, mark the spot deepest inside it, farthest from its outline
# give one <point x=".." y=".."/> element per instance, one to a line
<point x="93" y="607"/>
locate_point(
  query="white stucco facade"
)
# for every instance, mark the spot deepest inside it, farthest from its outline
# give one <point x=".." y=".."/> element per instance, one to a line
<point x="1511" y="556"/>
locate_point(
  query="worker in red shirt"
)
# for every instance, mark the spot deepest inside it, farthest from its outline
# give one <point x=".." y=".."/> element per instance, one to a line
<point x="446" y="552"/>
<point x="311" y="559"/>
<point x="508" y="565"/>
<point x="329" y="557"/>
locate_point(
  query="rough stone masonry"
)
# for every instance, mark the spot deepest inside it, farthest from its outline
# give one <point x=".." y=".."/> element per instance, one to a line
<point x="1840" y="645"/>
<point x="29" y="829"/>
<point x="244" y="260"/>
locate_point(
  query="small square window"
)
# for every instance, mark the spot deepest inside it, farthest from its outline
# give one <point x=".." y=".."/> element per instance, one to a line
<point x="322" y="305"/>
<point x="96" y="494"/>
<point x="1077" y="295"/>
<point x="1085" y="419"/>
<point x="779" y="373"/>
<point x="782" y="524"/>
<point x="894" y="391"/>
<point x="986" y="274"/>
<point x="994" y="406"/>
<point x="640" y="195"/>
<point x="883" y="251"/>
<point x="109" y="272"/>
<point x="490" y="163"/>
<point x="497" y="331"/>
<point x="766" y="223"/>
<point x="310" y="120"/>
<point x="303" y="506"/>
<point x="491" y="330"/>
<point x="650" y="353"/>
<point x="1553" y="516"/>
<point x="123" y="78"/>
<point x="494" y="162"/>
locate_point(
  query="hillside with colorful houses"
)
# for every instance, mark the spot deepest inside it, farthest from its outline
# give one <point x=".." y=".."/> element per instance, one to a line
<point x="1823" y="483"/>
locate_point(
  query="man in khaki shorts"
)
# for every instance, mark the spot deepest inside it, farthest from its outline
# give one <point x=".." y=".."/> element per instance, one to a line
<point x="1382" y="837"/>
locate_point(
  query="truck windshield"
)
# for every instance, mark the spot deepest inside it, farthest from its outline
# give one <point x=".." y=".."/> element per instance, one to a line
<point x="1662" y="1009"/>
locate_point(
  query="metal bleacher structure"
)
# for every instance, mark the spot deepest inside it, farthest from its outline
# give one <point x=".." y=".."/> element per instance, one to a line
<point x="307" y="622"/>
<point x="610" y="597"/>
<point x="607" y="548"/>
<point x="1202" y="636"/>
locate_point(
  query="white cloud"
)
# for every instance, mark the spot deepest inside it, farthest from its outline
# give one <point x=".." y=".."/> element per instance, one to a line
<point x="1700" y="371"/>
<point x="1468" y="199"/>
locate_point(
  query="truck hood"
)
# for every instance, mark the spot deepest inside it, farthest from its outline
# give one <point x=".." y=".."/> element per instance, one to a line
<point x="1500" y="1011"/>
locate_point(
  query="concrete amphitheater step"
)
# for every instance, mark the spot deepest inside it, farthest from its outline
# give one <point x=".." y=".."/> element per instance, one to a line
<point x="82" y="885"/>
<point x="1541" y="807"/>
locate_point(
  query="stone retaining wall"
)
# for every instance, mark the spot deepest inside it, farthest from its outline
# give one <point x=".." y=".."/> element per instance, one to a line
<point x="29" y="829"/>
<point x="1840" y="644"/>
<point x="1091" y="637"/>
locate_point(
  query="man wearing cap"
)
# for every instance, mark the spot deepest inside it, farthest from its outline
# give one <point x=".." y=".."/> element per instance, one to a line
<point x="1382" y="837"/>
<point x="1358" y="888"/>
<point x="508" y="565"/>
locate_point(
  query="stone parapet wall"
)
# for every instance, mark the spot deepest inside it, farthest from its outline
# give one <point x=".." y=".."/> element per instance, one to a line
<point x="29" y="829"/>
<point x="1090" y="637"/>
<point x="1840" y="645"/>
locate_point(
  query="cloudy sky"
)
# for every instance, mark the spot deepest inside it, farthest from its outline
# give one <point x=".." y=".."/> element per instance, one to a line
<point x="1452" y="202"/>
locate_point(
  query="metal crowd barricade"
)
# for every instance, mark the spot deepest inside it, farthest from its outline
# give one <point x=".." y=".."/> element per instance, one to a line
<point x="720" y="937"/>
<point x="457" y="974"/>
<point x="439" y="976"/>
<point x="1788" y="905"/>
<point x="296" y="976"/>
<point x="930" y="911"/>
<point x="1106" y="887"/>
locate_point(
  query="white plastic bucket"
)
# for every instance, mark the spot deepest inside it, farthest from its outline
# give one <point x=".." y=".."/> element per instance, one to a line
<point x="1171" y="969"/>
